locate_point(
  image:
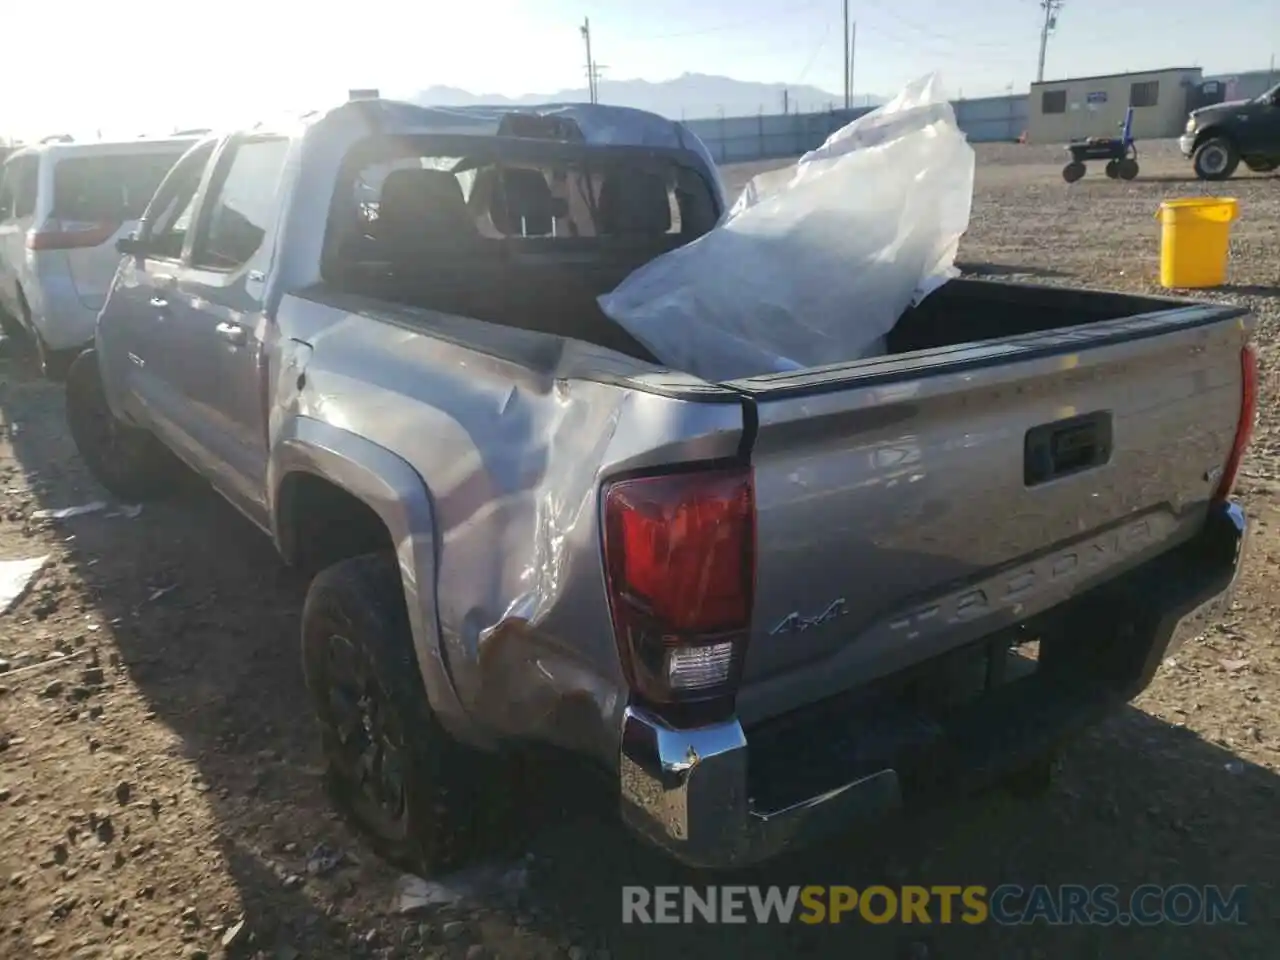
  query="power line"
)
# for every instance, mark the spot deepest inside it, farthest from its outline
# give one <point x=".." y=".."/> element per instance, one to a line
<point x="943" y="38"/>
<point x="789" y="14"/>
<point x="1001" y="52"/>
<point x="813" y="57"/>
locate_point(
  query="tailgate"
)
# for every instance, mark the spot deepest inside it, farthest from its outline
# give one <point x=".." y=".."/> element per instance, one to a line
<point x="914" y="503"/>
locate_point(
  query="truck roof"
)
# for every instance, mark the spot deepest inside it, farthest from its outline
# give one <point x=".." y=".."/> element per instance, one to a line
<point x="598" y="124"/>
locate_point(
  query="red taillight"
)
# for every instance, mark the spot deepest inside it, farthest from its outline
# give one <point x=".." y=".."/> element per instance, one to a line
<point x="680" y="564"/>
<point x="64" y="235"/>
<point x="1244" y="426"/>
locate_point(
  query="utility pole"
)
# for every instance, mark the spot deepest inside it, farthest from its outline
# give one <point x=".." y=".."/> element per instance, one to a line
<point x="786" y="101"/>
<point x="853" y="48"/>
<point x="591" y="64"/>
<point x="1051" y="9"/>
<point x="848" y="89"/>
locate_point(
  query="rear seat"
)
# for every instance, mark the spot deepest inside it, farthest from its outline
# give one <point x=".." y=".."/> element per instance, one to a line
<point x="438" y="257"/>
<point x="521" y="203"/>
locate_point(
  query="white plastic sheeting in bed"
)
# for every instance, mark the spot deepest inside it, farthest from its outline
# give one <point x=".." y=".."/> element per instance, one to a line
<point x="815" y="262"/>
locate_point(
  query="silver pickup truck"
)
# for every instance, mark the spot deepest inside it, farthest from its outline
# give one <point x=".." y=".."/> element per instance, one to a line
<point x="765" y="609"/>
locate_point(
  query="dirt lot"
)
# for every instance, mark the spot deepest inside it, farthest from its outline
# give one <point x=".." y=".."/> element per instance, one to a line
<point x="159" y="788"/>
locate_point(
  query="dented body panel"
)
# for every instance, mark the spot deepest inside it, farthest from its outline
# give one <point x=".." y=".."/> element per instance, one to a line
<point x="509" y="443"/>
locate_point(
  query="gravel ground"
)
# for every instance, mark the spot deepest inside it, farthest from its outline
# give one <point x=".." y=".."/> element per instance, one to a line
<point x="159" y="779"/>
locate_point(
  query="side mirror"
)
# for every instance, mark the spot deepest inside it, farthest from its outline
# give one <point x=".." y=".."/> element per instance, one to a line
<point x="131" y="246"/>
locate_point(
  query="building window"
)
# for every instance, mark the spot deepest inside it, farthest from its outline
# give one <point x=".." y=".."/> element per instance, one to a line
<point x="1053" y="101"/>
<point x="1144" y="94"/>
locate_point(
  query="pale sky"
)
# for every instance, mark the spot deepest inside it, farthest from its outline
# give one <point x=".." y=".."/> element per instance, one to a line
<point x="146" y="66"/>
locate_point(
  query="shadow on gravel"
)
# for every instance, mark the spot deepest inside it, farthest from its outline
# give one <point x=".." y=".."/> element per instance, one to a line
<point x="1136" y="801"/>
<point x="205" y="621"/>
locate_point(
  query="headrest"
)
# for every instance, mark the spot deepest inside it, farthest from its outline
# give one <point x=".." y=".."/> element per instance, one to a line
<point x="521" y="198"/>
<point x="422" y="201"/>
<point x="634" y="203"/>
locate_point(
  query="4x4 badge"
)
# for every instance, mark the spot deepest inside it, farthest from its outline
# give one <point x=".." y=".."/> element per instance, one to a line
<point x="794" y="622"/>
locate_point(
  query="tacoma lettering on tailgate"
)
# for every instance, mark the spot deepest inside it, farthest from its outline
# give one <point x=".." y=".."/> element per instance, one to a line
<point x="1038" y="583"/>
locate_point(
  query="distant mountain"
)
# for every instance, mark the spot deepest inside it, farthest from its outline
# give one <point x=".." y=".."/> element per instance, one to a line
<point x="690" y="96"/>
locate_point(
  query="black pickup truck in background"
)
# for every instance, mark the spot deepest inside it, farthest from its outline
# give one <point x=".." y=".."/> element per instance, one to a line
<point x="1220" y="136"/>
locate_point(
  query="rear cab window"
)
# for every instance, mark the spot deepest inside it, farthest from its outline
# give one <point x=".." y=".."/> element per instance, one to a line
<point x="423" y="202"/>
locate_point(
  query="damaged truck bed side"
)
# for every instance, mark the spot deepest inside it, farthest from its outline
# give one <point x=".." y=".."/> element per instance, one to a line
<point x="769" y="608"/>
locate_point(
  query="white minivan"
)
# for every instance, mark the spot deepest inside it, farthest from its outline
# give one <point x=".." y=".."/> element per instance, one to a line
<point x="62" y="208"/>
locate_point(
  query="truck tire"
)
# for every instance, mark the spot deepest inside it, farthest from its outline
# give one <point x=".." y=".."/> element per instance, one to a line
<point x="1216" y="159"/>
<point x="422" y="800"/>
<point x="129" y="462"/>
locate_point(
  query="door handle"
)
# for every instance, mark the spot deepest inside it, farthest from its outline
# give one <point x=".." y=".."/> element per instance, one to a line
<point x="1054" y="450"/>
<point x="232" y="332"/>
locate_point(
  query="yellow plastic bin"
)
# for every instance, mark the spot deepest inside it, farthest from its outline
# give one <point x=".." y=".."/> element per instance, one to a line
<point x="1195" y="235"/>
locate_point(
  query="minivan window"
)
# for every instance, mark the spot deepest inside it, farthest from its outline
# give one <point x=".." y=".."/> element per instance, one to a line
<point x="114" y="187"/>
<point x="6" y="193"/>
<point x="241" y="212"/>
<point x="20" y="179"/>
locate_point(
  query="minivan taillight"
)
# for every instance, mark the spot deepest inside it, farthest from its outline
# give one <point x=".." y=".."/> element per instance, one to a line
<point x="680" y="565"/>
<point x="1244" y="426"/>
<point x="71" y="235"/>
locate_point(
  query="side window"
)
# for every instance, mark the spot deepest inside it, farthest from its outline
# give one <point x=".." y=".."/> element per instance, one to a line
<point x="25" y="171"/>
<point x="6" y="193"/>
<point x="1144" y="94"/>
<point x="239" y="213"/>
<point x="168" y="215"/>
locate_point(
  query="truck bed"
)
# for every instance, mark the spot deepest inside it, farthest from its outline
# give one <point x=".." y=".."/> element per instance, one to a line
<point x="530" y="292"/>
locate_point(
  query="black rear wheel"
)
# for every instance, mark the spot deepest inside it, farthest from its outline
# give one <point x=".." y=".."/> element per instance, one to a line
<point x="1113" y="169"/>
<point x="423" y="800"/>
<point x="1127" y="168"/>
<point x="131" y="463"/>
